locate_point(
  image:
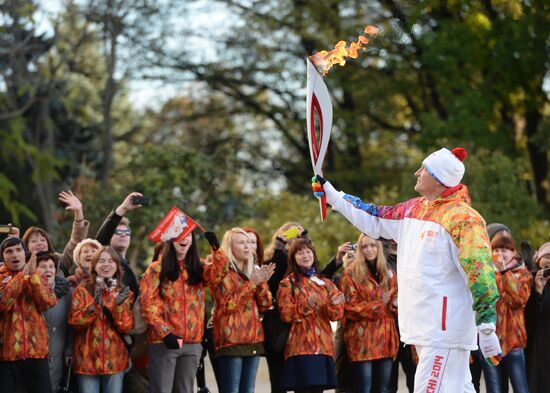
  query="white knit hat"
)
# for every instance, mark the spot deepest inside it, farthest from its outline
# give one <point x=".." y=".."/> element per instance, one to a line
<point x="446" y="166"/>
<point x="78" y="248"/>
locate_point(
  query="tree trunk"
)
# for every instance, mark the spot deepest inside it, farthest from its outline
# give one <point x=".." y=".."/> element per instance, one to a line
<point x="538" y="158"/>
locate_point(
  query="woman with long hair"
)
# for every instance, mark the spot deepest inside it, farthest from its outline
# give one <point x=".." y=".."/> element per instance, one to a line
<point x="241" y="294"/>
<point x="308" y="302"/>
<point x="370" y="333"/>
<point x="172" y="303"/>
<point x="101" y="313"/>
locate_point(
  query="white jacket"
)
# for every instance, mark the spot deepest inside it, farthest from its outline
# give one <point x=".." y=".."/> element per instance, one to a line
<point x="444" y="270"/>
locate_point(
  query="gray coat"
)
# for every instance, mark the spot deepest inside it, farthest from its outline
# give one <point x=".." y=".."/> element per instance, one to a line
<point x="59" y="332"/>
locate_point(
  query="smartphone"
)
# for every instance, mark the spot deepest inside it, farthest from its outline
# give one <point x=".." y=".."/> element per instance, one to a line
<point x="291" y="233"/>
<point x="140" y="200"/>
<point x="546" y="272"/>
<point x="5" y="229"/>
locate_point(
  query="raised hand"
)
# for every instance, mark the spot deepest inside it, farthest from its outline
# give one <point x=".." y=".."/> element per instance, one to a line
<point x="72" y="203"/>
<point x="317" y="186"/>
<point x="127" y="204"/>
<point x="212" y="239"/>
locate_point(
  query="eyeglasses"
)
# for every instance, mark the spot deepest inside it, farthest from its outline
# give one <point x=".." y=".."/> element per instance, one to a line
<point x="120" y="232"/>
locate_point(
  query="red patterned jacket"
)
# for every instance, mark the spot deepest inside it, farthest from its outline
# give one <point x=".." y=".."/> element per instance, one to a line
<point x="369" y="326"/>
<point x="98" y="348"/>
<point x="238" y="304"/>
<point x="23" y="330"/>
<point x="310" y="330"/>
<point x="514" y="288"/>
<point x="171" y="307"/>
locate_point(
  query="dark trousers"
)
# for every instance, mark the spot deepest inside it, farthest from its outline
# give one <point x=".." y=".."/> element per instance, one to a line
<point x="275" y="365"/>
<point x="404" y="356"/>
<point x="34" y="373"/>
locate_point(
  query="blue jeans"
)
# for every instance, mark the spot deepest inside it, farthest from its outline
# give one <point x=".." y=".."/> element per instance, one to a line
<point x="237" y="373"/>
<point x="91" y="383"/>
<point x="363" y="375"/>
<point x="513" y="365"/>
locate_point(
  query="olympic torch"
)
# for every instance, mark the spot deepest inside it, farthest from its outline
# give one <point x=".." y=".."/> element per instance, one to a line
<point x="319" y="117"/>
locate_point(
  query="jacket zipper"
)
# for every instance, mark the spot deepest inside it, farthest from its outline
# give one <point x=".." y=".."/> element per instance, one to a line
<point x="20" y="301"/>
<point x="102" y="341"/>
<point x="444" y="314"/>
<point x="184" y="309"/>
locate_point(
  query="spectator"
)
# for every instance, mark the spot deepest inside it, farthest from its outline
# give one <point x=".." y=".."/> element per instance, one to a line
<point x="116" y="232"/>
<point x="344" y="375"/>
<point x="240" y="293"/>
<point x="256" y="244"/>
<point x="172" y="303"/>
<point x="82" y="255"/>
<point x="101" y="314"/>
<point x="370" y="333"/>
<point x="24" y="296"/>
<point x="277" y="253"/>
<point x="538" y="324"/>
<point x="60" y="335"/>
<point x="37" y="239"/>
<point x="514" y="286"/>
<point x="308" y="302"/>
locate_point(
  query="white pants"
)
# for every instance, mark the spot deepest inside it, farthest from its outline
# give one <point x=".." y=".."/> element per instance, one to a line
<point x="443" y="370"/>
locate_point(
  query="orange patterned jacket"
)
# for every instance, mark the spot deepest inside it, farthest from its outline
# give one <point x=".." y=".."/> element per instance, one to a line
<point x="171" y="307"/>
<point x="310" y="330"/>
<point x="98" y="348"/>
<point x="23" y="330"/>
<point x="238" y="304"/>
<point x="514" y="288"/>
<point x="369" y="326"/>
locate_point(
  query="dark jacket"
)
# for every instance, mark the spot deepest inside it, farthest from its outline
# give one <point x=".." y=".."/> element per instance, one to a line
<point x="59" y="332"/>
<point x="537" y="351"/>
<point x="104" y="235"/>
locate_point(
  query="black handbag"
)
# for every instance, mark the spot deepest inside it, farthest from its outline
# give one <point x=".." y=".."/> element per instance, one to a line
<point x="275" y="330"/>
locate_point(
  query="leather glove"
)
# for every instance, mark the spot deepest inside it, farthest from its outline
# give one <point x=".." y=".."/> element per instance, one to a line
<point x="489" y="344"/>
<point x="213" y="240"/>
<point x="171" y="341"/>
<point x="317" y="186"/>
<point x="122" y="295"/>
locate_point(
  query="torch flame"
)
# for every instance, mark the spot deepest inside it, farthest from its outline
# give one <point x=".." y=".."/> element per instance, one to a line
<point x="324" y="60"/>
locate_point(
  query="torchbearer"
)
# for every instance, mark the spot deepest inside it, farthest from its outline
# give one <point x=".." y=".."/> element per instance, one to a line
<point x="445" y="275"/>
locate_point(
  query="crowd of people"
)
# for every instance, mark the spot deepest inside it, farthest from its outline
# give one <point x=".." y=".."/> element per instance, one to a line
<point x="397" y="299"/>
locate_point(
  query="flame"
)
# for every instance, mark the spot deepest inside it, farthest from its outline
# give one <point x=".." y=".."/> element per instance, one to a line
<point x="324" y="60"/>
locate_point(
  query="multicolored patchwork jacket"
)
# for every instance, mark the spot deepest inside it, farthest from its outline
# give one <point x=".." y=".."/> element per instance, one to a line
<point x="171" y="307"/>
<point x="445" y="274"/>
<point x="23" y="330"/>
<point x="369" y="324"/>
<point x="238" y="304"/>
<point x="514" y="288"/>
<point x="98" y="347"/>
<point x="310" y="331"/>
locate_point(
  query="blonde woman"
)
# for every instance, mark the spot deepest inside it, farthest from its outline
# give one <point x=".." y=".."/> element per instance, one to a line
<point x="241" y="294"/>
<point x="370" y="333"/>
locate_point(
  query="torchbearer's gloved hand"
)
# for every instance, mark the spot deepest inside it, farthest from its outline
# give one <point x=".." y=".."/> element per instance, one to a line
<point x="489" y="343"/>
<point x="317" y="182"/>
